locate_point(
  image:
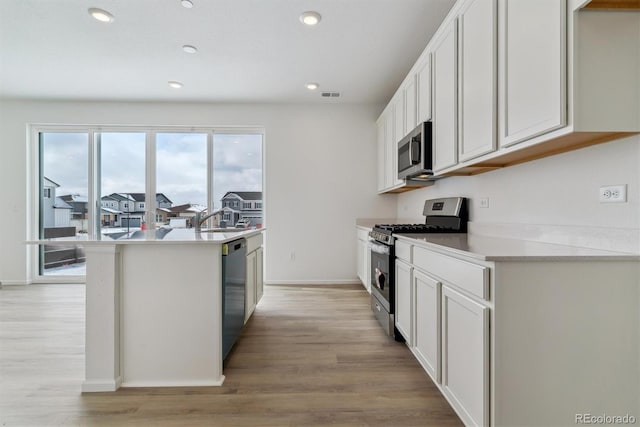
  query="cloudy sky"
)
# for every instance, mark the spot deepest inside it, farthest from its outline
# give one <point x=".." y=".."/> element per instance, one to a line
<point x="181" y="164"/>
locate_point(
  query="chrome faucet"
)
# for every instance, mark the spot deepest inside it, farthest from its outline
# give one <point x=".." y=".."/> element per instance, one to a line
<point x="199" y="219"/>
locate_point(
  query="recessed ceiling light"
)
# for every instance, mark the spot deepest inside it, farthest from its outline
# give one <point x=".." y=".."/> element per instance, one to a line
<point x="312" y="86"/>
<point x="100" y="15"/>
<point x="189" y="49"/>
<point x="186" y="3"/>
<point x="310" y="18"/>
<point x="175" y="84"/>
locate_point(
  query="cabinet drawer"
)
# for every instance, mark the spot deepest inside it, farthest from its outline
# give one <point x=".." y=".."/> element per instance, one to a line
<point x="254" y="242"/>
<point x="403" y="251"/>
<point x="469" y="277"/>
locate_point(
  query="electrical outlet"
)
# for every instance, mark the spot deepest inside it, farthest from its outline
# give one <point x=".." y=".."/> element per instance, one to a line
<point x="292" y="256"/>
<point x="613" y="193"/>
<point x="484" y="202"/>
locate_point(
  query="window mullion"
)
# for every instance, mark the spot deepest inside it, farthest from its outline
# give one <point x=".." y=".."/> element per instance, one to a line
<point x="150" y="186"/>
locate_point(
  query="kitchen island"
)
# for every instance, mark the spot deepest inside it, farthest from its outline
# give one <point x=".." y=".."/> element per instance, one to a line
<point x="154" y="308"/>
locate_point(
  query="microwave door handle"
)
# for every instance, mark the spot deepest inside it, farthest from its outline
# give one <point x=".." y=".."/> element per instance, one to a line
<point x="411" y="152"/>
<point x="412" y="143"/>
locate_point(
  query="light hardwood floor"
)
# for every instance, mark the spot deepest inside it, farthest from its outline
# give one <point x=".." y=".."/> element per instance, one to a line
<point x="309" y="356"/>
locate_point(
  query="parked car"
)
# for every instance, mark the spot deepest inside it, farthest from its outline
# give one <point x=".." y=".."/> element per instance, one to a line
<point x="243" y="223"/>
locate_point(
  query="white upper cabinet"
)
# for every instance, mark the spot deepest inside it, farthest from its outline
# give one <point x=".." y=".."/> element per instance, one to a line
<point x="477" y="61"/>
<point x="533" y="64"/>
<point x="445" y="88"/>
<point x="509" y="81"/>
<point x="398" y="117"/>
<point x="423" y="82"/>
<point x="390" y="167"/>
<point x="410" y="104"/>
<point x="381" y="153"/>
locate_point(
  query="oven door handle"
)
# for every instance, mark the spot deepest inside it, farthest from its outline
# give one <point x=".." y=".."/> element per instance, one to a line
<point x="379" y="249"/>
<point x="380" y="279"/>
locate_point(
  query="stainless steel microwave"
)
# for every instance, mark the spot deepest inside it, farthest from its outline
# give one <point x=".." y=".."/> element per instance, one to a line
<point x="415" y="155"/>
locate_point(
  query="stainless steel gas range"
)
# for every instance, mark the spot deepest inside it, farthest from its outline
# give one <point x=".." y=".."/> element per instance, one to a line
<point x="445" y="215"/>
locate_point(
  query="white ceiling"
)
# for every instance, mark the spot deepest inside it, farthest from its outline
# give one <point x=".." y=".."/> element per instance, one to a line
<point x="249" y="50"/>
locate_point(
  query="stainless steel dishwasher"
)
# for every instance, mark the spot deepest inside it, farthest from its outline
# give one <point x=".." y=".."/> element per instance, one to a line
<point x="234" y="278"/>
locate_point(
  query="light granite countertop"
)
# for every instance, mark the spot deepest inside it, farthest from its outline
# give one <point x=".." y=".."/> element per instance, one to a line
<point x="159" y="236"/>
<point x="486" y="248"/>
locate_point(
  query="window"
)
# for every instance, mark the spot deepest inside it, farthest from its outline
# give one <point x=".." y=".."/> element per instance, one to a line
<point x="64" y="165"/>
<point x="122" y="163"/>
<point x="89" y="178"/>
<point x="258" y="205"/>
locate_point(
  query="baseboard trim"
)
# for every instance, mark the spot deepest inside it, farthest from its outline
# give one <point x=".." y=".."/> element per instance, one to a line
<point x="97" y="386"/>
<point x="14" y="282"/>
<point x="314" y="282"/>
<point x="185" y="383"/>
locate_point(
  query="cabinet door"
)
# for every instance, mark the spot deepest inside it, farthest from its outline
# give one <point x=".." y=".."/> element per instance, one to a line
<point x="259" y="274"/>
<point x="398" y="118"/>
<point x="367" y="267"/>
<point x="445" y="110"/>
<point x="465" y="356"/>
<point x="426" y="323"/>
<point x="477" y="78"/>
<point x="403" y="300"/>
<point x="361" y="260"/>
<point x="424" y="90"/>
<point x="250" y="289"/>
<point x="410" y="105"/>
<point x="391" y="150"/>
<point x="533" y="68"/>
<point x="382" y="153"/>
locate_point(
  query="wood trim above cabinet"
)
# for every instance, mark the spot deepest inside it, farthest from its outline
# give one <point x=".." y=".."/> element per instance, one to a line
<point x="560" y="144"/>
<point x="613" y="4"/>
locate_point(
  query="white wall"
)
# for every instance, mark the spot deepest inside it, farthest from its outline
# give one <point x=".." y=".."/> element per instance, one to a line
<point x="557" y="190"/>
<point x="320" y="176"/>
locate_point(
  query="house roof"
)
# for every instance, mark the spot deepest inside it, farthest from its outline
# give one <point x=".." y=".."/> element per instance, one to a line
<point x="187" y="207"/>
<point x="58" y="203"/>
<point x="245" y="195"/>
<point x="112" y="211"/>
<point x="137" y="197"/>
<point x="74" y="198"/>
<point x="51" y="181"/>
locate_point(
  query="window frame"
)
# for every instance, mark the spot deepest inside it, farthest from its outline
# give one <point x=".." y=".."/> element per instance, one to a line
<point x="93" y="131"/>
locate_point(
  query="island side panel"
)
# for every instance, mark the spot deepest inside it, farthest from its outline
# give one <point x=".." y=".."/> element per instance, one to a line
<point x="565" y="341"/>
<point x="171" y="315"/>
<point x="102" y="328"/>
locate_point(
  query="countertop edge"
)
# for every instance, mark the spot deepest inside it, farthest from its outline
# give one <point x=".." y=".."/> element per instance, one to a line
<point x="447" y="250"/>
<point x="239" y="235"/>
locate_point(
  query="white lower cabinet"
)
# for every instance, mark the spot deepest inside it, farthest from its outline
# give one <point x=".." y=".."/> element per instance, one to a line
<point x="465" y="356"/>
<point x="426" y="309"/>
<point x="363" y="258"/>
<point x="250" y="289"/>
<point x="403" y="300"/>
<point x="254" y="287"/>
<point x="259" y="274"/>
<point x="522" y="341"/>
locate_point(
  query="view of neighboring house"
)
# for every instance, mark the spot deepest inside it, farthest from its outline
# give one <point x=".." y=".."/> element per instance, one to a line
<point x="186" y="212"/>
<point x="128" y="209"/>
<point x="55" y="211"/>
<point x="242" y="204"/>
